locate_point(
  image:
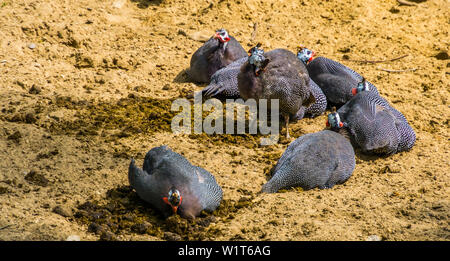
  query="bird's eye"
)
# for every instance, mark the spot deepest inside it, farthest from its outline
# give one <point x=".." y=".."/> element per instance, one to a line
<point x="308" y="52"/>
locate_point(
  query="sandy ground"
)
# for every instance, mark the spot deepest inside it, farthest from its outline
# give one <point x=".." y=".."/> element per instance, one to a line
<point x="86" y="85"/>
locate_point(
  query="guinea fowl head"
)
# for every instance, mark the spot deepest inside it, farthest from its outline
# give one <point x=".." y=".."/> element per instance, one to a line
<point x="362" y="86"/>
<point x="334" y="121"/>
<point x="173" y="199"/>
<point x="222" y="36"/>
<point x="305" y="55"/>
<point x="255" y="49"/>
<point x="257" y="59"/>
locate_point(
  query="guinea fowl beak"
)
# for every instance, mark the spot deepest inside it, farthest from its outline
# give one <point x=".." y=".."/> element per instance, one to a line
<point x="259" y="70"/>
<point x="353" y="91"/>
<point x="313" y="54"/>
<point x="218" y="37"/>
<point x="174" y="208"/>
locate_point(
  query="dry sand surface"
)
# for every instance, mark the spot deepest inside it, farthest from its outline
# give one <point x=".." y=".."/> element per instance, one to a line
<point x="86" y="85"/>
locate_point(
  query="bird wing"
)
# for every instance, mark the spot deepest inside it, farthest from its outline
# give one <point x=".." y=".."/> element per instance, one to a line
<point x="224" y="82"/>
<point x="333" y="67"/>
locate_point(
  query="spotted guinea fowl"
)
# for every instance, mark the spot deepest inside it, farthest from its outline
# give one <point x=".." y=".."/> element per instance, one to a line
<point x="224" y="85"/>
<point x="218" y="52"/>
<point x="277" y="74"/>
<point x="322" y="159"/>
<point x="335" y="79"/>
<point x="372" y="124"/>
<point x="171" y="184"/>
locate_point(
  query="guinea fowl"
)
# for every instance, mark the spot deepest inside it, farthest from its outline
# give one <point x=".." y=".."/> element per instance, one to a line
<point x="335" y="79"/>
<point x="277" y="74"/>
<point x="322" y="159"/>
<point x="218" y="52"/>
<point x="224" y="85"/>
<point x="372" y="124"/>
<point x="171" y="184"/>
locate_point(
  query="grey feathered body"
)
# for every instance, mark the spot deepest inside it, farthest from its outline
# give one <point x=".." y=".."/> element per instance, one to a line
<point x="163" y="169"/>
<point x="224" y="83"/>
<point x="320" y="104"/>
<point x="335" y="79"/>
<point x="407" y="134"/>
<point x="212" y="56"/>
<point x="285" y="78"/>
<point x="322" y="159"/>
<point x="376" y="126"/>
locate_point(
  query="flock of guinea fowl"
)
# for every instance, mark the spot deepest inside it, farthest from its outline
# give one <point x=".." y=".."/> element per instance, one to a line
<point x="305" y="86"/>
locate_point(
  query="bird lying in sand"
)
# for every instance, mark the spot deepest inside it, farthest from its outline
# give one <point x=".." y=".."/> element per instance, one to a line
<point x="171" y="184"/>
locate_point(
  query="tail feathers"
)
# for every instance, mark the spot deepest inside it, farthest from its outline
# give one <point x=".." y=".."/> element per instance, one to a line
<point x="212" y="90"/>
<point x="268" y="188"/>
<point x="135" y="173"/>
<point x="407" y="136"/>
<point x="381" y="147"/>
